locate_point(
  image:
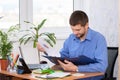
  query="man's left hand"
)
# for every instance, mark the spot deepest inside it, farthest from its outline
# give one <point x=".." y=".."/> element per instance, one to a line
<point x="68" y="66"/>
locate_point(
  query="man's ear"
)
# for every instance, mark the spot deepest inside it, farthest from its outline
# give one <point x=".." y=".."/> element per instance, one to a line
<point x="87" y="25"/>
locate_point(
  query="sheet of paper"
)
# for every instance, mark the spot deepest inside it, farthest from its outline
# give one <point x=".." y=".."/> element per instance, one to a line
<point x="49" y="50"/>
<point x="37" y="71"/>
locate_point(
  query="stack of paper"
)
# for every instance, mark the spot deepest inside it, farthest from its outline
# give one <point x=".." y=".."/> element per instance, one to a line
<point x="55" y="75"/>
<point x="37" y="71"/>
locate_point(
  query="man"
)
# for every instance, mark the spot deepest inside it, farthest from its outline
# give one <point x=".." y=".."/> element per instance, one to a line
<point x="83" y="41"/>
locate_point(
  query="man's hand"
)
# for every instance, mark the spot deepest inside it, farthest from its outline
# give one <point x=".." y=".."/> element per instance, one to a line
<point x="68" y="66"/>
<point x="39" y="47"/>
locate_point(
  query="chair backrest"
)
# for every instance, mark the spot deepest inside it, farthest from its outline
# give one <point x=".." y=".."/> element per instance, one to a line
<point x="112" y="56"/>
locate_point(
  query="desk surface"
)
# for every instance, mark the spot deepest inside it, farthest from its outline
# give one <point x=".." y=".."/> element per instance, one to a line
<point x="32" y="76"/>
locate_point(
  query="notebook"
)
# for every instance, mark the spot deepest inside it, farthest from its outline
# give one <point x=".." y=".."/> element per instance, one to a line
<point x="81" y="60"/>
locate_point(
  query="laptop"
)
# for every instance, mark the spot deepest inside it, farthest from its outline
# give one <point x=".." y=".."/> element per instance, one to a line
<point x="34" y="66"/>
<point x="30" y="66"/>
<point x="27" y="68"/>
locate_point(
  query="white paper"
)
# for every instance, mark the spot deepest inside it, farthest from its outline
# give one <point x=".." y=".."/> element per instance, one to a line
<point x="55" y="75"/>
<point x="48" y="49"/>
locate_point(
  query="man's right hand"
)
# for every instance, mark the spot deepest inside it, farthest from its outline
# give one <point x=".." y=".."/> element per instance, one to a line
<point x="40" y="48"/>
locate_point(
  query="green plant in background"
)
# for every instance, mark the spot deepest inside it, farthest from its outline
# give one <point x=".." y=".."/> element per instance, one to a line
<point x="33" y="34"/>
<point x="5" y="44"/>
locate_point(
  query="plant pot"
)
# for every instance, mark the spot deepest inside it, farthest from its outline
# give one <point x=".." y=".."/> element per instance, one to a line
<point x="3" y="64"/>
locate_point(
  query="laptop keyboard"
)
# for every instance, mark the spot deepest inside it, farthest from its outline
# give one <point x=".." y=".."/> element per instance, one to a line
<point x="34" y="66"/>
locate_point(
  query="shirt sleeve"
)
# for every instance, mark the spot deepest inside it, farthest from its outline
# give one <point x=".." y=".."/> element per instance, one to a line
<point x="64" y="52"/>
<point x="100" y="56"/>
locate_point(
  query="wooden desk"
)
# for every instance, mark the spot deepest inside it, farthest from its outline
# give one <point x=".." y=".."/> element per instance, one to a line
<point x="32" y="76"/>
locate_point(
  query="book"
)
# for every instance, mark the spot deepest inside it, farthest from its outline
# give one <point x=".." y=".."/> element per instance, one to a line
<point x="81" y="60"/>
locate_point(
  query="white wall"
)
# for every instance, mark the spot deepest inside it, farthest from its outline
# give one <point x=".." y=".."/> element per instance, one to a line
<point x="103" y="17"/>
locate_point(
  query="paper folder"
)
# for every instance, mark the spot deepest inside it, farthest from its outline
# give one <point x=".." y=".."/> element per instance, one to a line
<point x="81" y="60"/>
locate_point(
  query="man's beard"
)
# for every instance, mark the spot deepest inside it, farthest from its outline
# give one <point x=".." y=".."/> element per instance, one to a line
<point x="80" y="36"/>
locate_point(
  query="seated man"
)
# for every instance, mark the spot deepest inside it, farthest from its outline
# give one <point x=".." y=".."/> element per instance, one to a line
<point x="83" y="41"/>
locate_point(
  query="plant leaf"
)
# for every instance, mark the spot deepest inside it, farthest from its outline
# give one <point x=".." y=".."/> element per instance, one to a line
<point x="49" y="42"/>
<point x="30" y="23"/>
<point x="36" y="29"/>
<point x="41" y="24"/>
<point x="50" y="36"/>
<point x="23" y="38"/>
<point x="13" y="28"/>
<point x="27" y="40"/>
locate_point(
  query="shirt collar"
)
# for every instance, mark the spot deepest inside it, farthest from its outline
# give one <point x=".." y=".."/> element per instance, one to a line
<point x="89" y="34"/>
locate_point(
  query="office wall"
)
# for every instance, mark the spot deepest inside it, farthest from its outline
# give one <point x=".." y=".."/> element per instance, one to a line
<point x="119" y="42"/>
<point x="103" y="17"/>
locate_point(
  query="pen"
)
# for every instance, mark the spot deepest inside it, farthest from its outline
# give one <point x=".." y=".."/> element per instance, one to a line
<point x="45" y="46"/>
<point x="10" y="61"/>
<point x="46" y="53"/>
<point x="15" y="60"/>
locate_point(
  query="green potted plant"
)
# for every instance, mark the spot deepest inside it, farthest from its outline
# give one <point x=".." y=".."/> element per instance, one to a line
<point x="6" y="46"/>
<point x="33" y="34"/>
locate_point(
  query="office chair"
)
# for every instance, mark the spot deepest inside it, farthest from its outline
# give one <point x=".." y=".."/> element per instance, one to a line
<point x="112" y="56"/>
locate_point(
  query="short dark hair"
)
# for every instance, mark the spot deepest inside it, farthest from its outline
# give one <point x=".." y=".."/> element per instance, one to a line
<point x="78" y="17"/>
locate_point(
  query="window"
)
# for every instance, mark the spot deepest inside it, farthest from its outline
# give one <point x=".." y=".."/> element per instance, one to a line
<point x="9" y="13"/>
<point x="57" y="12"/>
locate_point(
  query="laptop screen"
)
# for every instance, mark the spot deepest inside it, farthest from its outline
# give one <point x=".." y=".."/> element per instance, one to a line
<point x="23" y="68"/>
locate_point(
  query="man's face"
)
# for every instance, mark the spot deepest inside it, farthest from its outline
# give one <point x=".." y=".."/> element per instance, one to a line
<point x="79" y="30"/>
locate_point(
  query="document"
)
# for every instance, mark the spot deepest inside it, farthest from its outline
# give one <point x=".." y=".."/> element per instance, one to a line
<point x="48" y="49"/>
